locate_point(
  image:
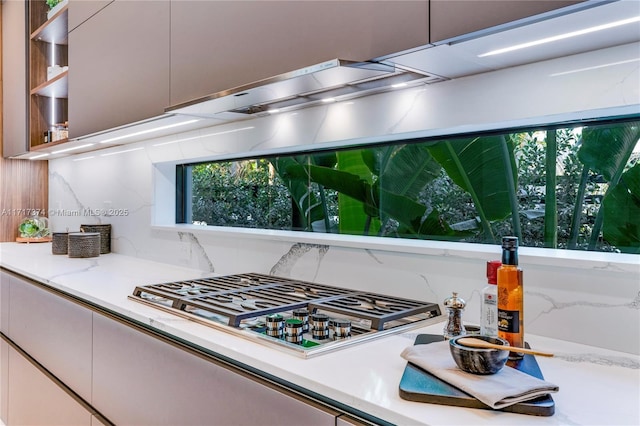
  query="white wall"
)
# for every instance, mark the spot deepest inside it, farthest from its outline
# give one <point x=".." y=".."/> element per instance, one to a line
<point x="582" y="297"/>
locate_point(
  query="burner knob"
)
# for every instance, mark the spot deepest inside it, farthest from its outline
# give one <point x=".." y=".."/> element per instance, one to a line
<point x="302" y="315"/>
<point x="341" y="328"/>
<point x="293" y="330"/>
<point x="275" y="325"/>
<point x="320" y="326"/>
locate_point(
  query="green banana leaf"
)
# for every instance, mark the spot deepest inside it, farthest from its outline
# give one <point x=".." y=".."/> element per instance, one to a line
<point x="478" y="165"/>
<point x="307" y="203"/>
<point x="355" y="217"/>
<point x="406" y="211"/>
<point x="621" y="208"/>
<point x="403" y="170"/>
<point x="606" y="150"/>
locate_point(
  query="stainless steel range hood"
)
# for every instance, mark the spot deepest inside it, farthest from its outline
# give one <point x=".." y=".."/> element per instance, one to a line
<point x="336" y="79"/>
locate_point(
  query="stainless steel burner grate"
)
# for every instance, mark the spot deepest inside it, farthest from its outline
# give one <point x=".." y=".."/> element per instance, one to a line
<point x="243" y="301"/>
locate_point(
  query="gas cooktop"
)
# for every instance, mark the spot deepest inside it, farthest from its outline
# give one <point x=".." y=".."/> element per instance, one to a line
<point x="300" y="317"/>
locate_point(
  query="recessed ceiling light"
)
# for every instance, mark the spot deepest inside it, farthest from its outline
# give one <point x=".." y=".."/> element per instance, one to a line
<point x="561" y="36"/>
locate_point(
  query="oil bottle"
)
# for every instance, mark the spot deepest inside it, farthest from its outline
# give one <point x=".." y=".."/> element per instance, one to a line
<point x="511" y="297"/>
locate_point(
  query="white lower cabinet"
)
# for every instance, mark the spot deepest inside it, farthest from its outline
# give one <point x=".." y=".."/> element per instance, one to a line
<point x="55" y="331"/>
<point x="36" y="400"/>
<point x="64" y="362"/>
<point x="140" y="380"/>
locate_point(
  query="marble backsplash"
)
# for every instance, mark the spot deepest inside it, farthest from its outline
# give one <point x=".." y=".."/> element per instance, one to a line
<point x="589" y="298"/>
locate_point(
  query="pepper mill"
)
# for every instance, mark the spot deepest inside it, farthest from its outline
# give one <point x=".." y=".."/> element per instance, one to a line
<point x="454" y="327"/>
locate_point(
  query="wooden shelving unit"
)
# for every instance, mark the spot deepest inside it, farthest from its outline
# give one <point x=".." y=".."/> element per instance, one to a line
<point x="48" y="46"/>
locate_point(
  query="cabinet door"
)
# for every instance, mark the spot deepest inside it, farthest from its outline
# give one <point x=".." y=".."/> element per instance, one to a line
<point x="14" y="79"/>
<point x="54" y="331"/>
<point x="82" y="10"/>
<point x="138" y="379"/>
<point x="218" y="45"/>
<point x="119" y="66"/>
<point x="454" y="18"/>
<point x="36" y="400"/>
<point x="4" y="302"/>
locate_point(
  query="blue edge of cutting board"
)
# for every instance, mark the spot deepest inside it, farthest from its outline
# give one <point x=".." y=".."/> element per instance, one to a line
<point x="418" y="385"/>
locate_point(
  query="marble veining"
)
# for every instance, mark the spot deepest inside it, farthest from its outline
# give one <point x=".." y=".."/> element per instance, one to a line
<point x="286" y="263"/>
<point x="196" y="247"/>
<point x="590" y="358"/>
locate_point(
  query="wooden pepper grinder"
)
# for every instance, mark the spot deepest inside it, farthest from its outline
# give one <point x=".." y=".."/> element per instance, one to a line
<point x="454" y="327"/>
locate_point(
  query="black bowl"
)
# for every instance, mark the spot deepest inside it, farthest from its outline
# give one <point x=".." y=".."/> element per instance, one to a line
<point x="479" y="360"/>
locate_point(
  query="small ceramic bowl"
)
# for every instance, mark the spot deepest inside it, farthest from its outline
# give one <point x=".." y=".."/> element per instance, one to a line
<point x="479" y="360"/>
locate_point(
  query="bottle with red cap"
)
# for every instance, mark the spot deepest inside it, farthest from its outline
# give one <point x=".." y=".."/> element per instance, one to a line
<point x="489" y="302"/>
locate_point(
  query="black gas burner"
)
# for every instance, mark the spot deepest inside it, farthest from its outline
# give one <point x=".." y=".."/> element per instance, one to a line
<point x="244" y="301"/>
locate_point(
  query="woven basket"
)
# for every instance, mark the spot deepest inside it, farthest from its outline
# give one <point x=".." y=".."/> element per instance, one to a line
<point x="59" y="242"/>
<point x="84" y="244"/>
<point x="105" y="235"/>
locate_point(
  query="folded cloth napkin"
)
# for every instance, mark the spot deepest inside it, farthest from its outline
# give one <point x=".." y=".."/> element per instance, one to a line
<point x="502" y="389"/>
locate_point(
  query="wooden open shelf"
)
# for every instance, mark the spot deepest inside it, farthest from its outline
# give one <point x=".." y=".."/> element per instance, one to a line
<point x="55" y="29"/>
<point x="57" y="87"/>
<point x="48" y="46"/>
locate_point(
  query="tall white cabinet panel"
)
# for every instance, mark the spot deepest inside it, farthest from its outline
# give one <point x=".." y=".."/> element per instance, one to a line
<point x="54" y="331"/>
<point x="36" y="400"/>
<point x="218" y="45"/>
<point x="140" y="380"/>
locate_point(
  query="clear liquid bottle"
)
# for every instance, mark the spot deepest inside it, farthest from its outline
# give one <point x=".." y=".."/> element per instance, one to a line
<point x="511" y="297"/>
<point x="489" y="306"/>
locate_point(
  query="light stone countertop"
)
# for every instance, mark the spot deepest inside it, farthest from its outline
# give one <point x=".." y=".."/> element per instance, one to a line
<point x="597" y="386"/>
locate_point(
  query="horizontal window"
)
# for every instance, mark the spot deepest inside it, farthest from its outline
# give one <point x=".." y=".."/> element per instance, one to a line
<point x="575" y="187"/>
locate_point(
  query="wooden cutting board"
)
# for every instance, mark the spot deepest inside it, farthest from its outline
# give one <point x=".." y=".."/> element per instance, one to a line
<point x="419" y="385"/>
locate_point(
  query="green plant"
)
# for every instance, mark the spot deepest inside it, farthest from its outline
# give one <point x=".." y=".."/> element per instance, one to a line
<point x="52" y="3"/>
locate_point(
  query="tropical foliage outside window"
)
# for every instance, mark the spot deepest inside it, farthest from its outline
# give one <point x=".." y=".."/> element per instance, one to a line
<point x="574" y="187"/>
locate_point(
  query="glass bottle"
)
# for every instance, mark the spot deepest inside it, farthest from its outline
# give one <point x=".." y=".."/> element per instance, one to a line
<point x="511" y="297"/>
<point x="489" y="301"/>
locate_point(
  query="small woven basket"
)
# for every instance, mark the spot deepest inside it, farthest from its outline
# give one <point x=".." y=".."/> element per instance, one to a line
<point x="105" y="235"/>
<point x="84" y="244"/>
<point x="59" y="242"/>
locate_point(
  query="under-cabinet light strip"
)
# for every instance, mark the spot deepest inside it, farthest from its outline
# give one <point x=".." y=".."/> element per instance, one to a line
<point x="35" y="157"/>
<point x="595" y="67"/>
<point x="60" y="151"/>
<point x="204" y="136"/>
<point x="84" y="158"/>
<point x="144" y="132"/>
<point x="121" y="152"/>
<point x="561" y="36"/>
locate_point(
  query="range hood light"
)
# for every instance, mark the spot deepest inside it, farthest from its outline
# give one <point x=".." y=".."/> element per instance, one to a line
<point x="273" y="111"/>
<point x="561" y="36"/>
<point x="144" y="132"/>
<point x="399" y="85"/>
<point x="327" y="100"/>
<point x="60" y="151"/>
